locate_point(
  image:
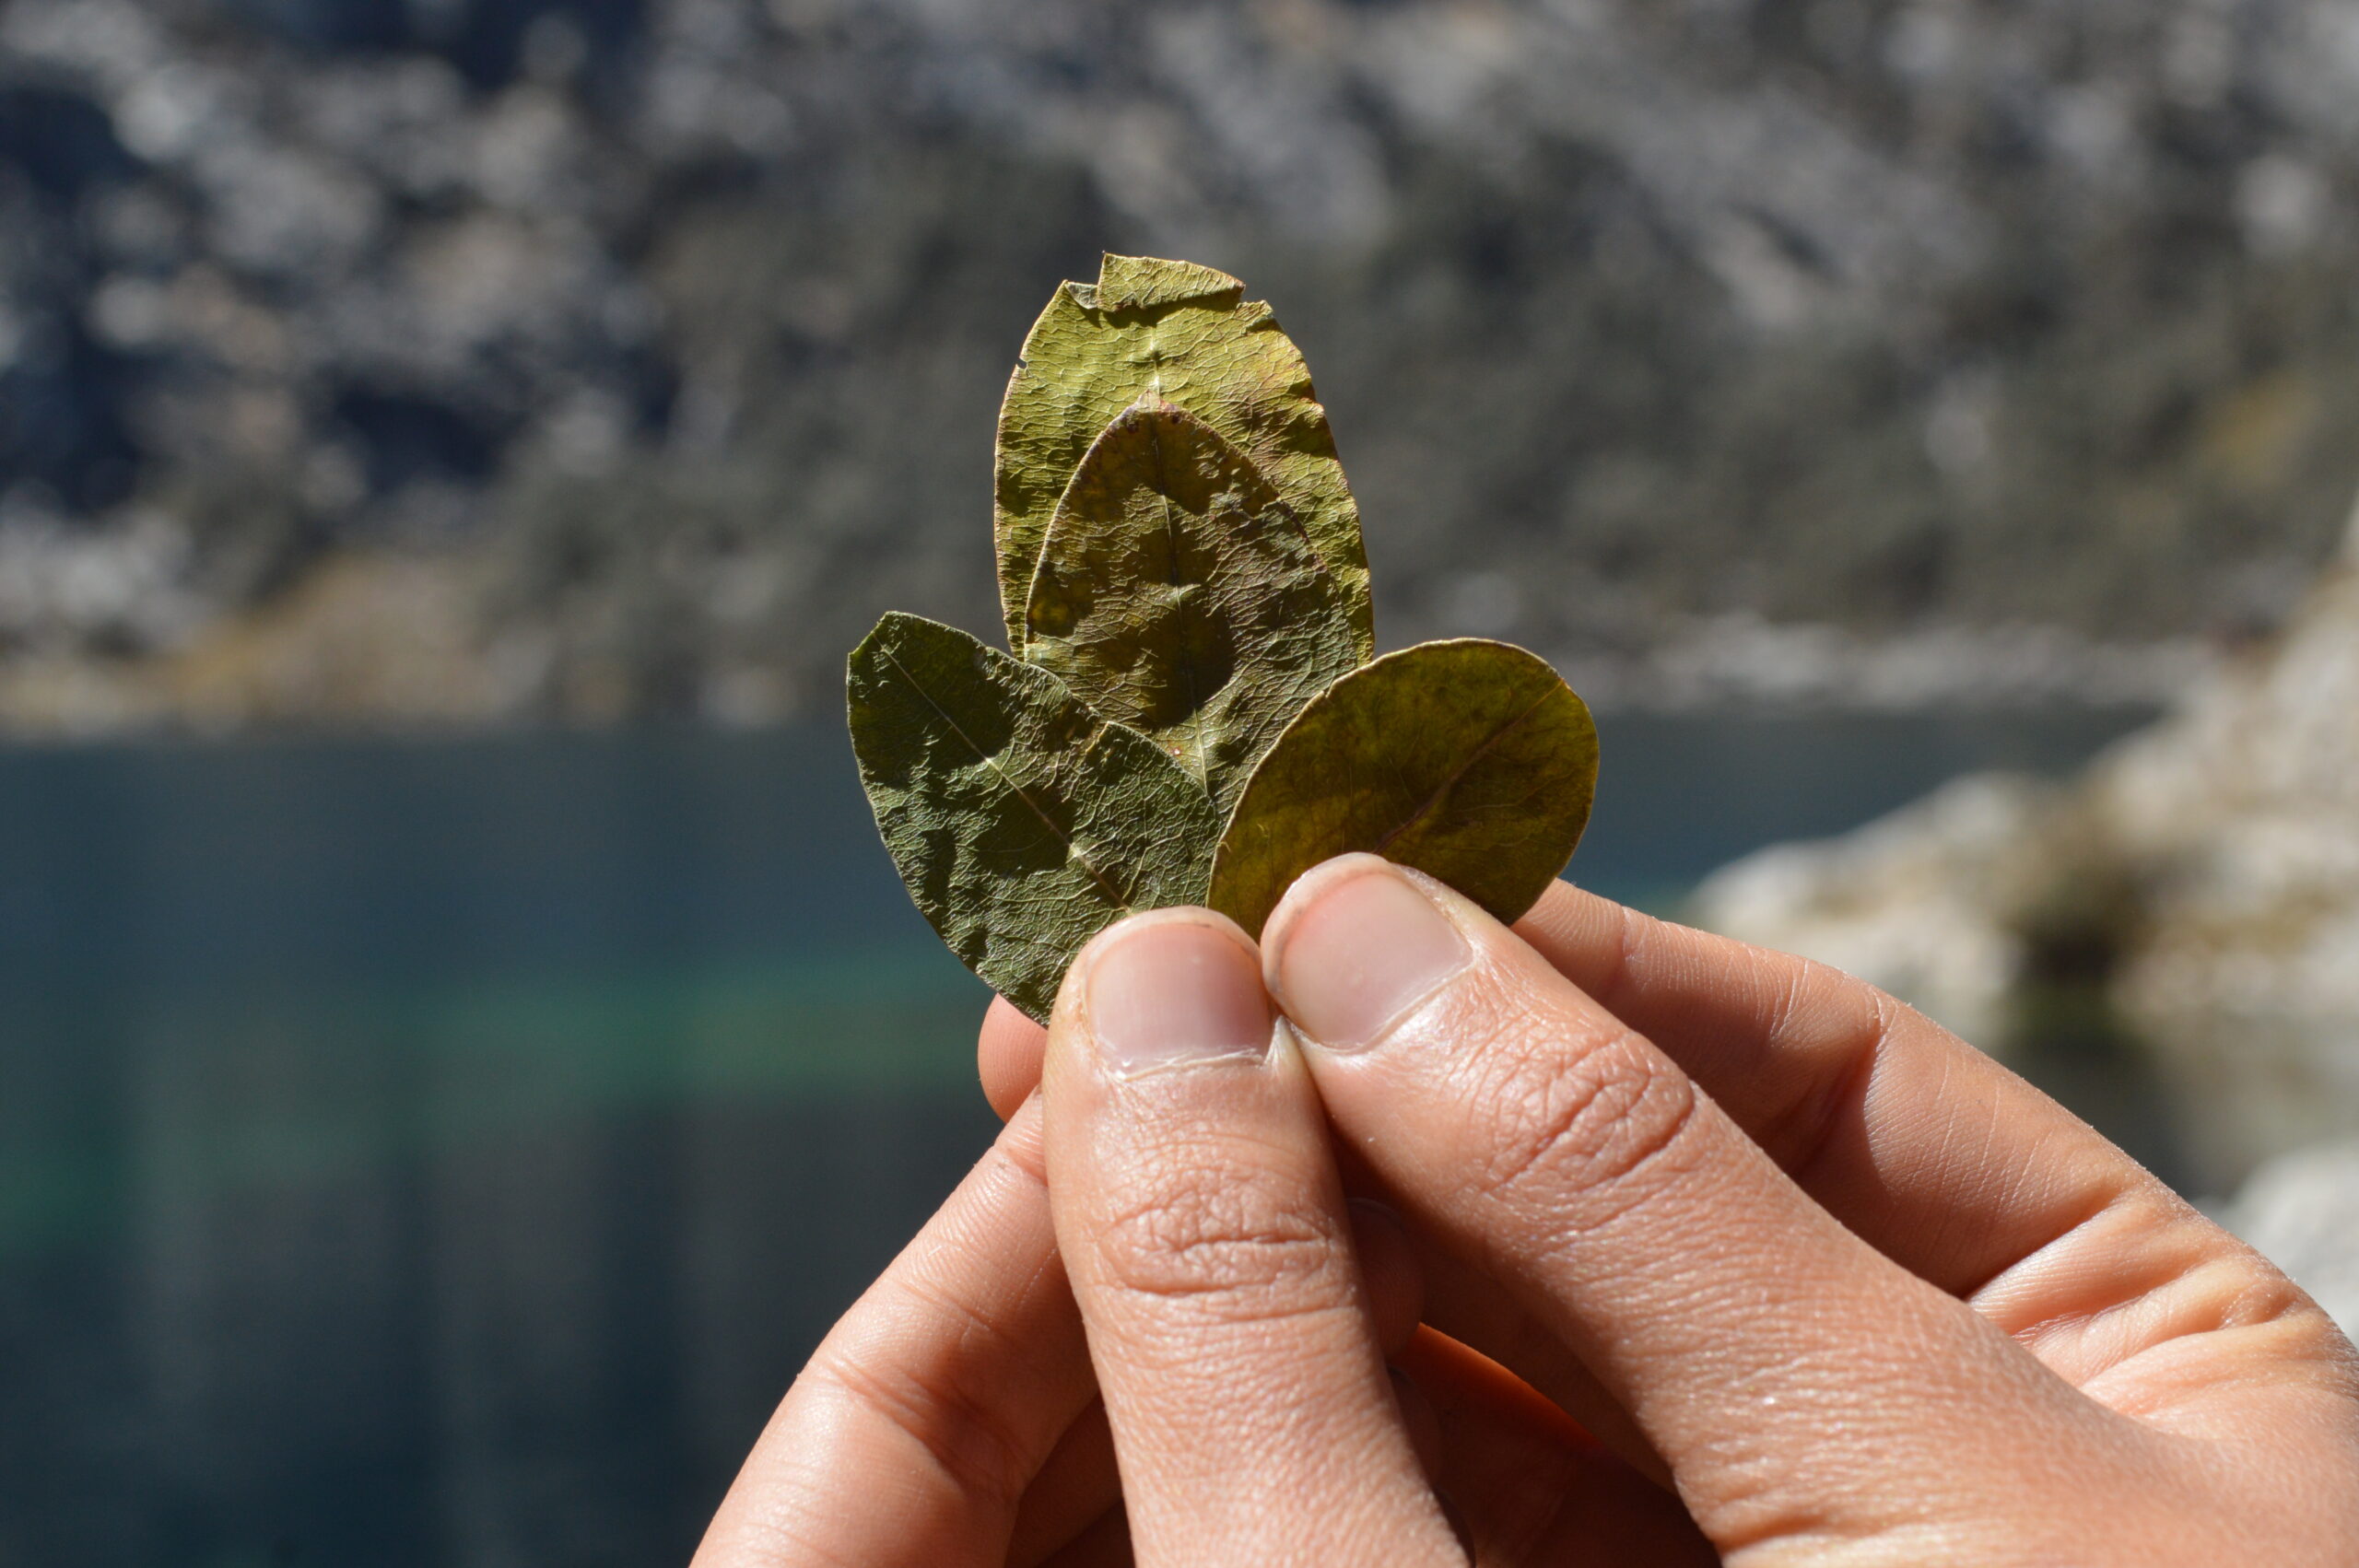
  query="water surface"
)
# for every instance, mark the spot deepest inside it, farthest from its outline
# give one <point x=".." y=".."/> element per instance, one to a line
<point x="443" y="1152"/>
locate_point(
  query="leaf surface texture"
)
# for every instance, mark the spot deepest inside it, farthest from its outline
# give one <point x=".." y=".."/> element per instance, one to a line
<point x="1022" y="823"/>
<point x="1176" y="593"/>
<point x="1188" y="336"/>
<point x="1469" y="760"/>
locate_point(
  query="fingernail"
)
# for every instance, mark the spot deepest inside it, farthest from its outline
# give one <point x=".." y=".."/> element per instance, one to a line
<point x="1168" y="992"/>
<point x="1366" y="949"/>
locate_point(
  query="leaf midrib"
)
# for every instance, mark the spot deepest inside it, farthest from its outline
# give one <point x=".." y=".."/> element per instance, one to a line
<point x="1192" y="730"/>
<point x="1432" y="802"/>
<point x="1006" y="779"/>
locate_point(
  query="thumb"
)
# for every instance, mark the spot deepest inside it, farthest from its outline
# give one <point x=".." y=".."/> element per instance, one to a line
<point x="1207" y="1235"/>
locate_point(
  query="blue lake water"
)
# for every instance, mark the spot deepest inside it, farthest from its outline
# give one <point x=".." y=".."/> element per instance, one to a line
<point x="444" y="1153"/>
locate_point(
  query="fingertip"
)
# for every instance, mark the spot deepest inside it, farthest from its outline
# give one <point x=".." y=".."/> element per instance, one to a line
<point x="1008" y="1052"/>
<point x="1304" y="893"/>
<point x="1364" y="942"/>
<point x="1160" y="989"/>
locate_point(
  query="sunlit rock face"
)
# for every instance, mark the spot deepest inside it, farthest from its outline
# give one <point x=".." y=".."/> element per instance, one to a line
<point x="2243" y="816"/>
<point x="1913" y="903"/>
<point x="683" y="322"/>
<point x="2206" y="871"/>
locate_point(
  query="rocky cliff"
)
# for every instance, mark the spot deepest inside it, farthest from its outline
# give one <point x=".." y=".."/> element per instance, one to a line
<point x="601" y="358"/>
<point x="2201" y="880"/>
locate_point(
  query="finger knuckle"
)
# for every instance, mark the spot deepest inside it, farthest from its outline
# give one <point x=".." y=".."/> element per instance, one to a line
<point x="1212" y="1245"/>
<point x="961" y="1434"/>
<point x="1578" y="1114"/>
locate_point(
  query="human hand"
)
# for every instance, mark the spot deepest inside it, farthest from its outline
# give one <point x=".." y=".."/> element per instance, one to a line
<point x="951" y="1416"/>
<point x="1860" y="1295"/>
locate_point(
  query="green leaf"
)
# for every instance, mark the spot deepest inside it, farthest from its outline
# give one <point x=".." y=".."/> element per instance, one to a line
<point x="1177" y="594"/>
<point x="1470" y="760"/>
<point x="1187" y="334"/>
<point x="1022" y="823"/>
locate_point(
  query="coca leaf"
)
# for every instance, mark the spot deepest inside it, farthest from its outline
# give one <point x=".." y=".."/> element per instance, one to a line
<point x="1022" y="823"/>
<point x="1470" y="760"/>
<point x="1177" y="594"/>
<point x="1187" y="334"/>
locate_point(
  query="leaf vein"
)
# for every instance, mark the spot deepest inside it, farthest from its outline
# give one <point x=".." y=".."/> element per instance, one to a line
<point x="1434" y="800"/>
<point x="1006" y="779"/>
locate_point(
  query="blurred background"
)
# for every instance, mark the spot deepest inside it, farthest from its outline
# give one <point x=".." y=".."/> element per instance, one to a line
<point x="461" y="1041"/>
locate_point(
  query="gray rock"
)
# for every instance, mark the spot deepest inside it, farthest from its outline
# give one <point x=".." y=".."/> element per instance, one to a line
<point x="2211" y="863"/>
<point x="1915" y="903"/>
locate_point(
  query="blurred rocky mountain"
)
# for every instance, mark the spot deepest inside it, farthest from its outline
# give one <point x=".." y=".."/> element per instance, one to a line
<point x="392" y="360"/>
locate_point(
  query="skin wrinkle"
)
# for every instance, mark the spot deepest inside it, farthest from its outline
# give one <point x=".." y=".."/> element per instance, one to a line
<point x="1944" y="1170"/>
<point x="1596" y="1088"/>
<point x="1840" y="1104"/>
<point x="1286" y="1360"/>
<point x="927" y="1408"/>
<point x="2203" y="1297"/>
<point x="974" y="1450"/>
<point x="795" y="1542"/>
<point x="1580" y="1138"/>
<point x="1188" y="1246"/>
<point x="1589" y="1057"/>
<point x="1494" y="1094"/>
<point x="917" y="1375"/>
<point x="1151" y="1346"/>
<point x="2101" y="1203"/>
<point x="1634" y="935"/>
<point x="945" y="1306"/>
<point x="1785" y="1002"/>
<point x="1630" y="930"/>
<point x="1996" y="1182"/>
<point x="2018" y="1183"/>
<point x="1887" y="1022"/>
<point x="1207" y="1236"/>
<point x="2170" y="1301"/>
<point x="2177" y="1387"/>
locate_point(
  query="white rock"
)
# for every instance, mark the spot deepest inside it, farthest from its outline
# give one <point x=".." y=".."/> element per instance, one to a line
<point x="2235" y="827"/>
<point x="1914" y="902"/>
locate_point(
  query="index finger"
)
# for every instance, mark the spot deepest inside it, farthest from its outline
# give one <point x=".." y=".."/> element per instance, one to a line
<point x="1008" y="1051"/>
<point x="912" y="1434"/>
<point x="1931" y="1152"/>
<point x="1936" y="1154"/>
